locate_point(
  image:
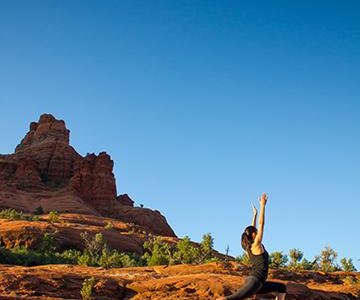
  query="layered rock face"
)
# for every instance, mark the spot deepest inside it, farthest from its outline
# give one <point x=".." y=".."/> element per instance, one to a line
<point x="47" y="144"/>
<point x="94" y="180"/>
<point x="45" y="170"/>
<point x="181" y="282"/>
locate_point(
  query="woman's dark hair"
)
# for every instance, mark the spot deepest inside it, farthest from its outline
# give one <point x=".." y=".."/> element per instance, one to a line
<point x="247" y="238"/>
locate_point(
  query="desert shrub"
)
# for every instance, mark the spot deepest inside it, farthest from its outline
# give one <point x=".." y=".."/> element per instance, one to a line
<point x="93" y="248"/>
<point x="108" y="225"/>
<point x="185" y="252"/>
<point x="162" y="253"/>
<point x="277" y="260"/>
<point x="70" y="256"/>
<point x="306" y="264"/>
<point x="39" y="211"/>
<point x="157" y="252"/>
<point x="114" y="259"/>
<point x="54" y="216"/>
<point x="326" y="260"/>
<point x="87" y="288"/>
<point x="12" y="214"/>
<point x="295" y="257"/>
<point x="47" y="244"/>
<point x="86" y="259"/>
<point x="98" y="253"/>
<point x="94" y="244"/>
<point x="26" y="257"/>
<point x="350" y="280"/>
<point x="347" y="265"/>
<point x="35" y="218"/>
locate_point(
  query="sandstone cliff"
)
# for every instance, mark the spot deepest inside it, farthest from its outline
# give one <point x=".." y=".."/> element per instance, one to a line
<point x="46" y="171"/>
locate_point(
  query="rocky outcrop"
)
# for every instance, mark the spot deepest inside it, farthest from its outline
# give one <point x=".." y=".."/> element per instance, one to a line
<point x="47" y="143"/>
<point x="182" y="282"/>
<point x="151" y="219"/>
<point x="46" y="171"/>
<point x="94" y="180"/>
<point x="122" y="236"/>
<point x="125" y="200"/>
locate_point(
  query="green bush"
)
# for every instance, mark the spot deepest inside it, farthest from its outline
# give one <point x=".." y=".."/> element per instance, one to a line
<point x="25" y="257"/>
<point x="206" y="247"/>
<point x="87" y="288"/>
<point x="115" y="259"/>
<point x="162" y="253"/>
<point x="54" y="216"/>
<point x="185" y="252"/>
<point x="347" y="265"/>
<point x="46" y="244"/>
<point x="70" y="256"/>
<point x="277" y="260"/>
<point x="295" y="257"/>
<point x="108" y="225"/>
<point x="12" y="214"/>
<point x="306" y="264"/>
<point x="326" y="260"/>
<point x="97" y="253"/>
<point x="157" y="252"/>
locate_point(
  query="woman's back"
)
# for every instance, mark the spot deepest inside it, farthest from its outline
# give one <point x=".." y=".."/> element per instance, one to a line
<point x="260" y="265"/>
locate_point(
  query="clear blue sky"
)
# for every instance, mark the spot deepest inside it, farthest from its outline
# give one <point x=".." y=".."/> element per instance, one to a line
<point x="202" y="105"/>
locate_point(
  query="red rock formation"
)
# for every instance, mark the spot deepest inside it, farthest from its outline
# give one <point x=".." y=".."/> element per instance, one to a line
<point x="94" y="180"/>
<point x="182" y="282"/>
<point x="47" y="143"/>
<point x="45" y="170"/>
<point x="125" y="200"/>
<point x="151" y="219"/>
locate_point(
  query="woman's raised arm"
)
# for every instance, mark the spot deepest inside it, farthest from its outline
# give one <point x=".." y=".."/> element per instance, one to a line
<point x="260" y="233"/>
<point x="254" y="216"/>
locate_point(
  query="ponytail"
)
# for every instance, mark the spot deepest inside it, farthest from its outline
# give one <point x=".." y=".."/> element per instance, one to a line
<point x="247" y="238"/>
<point x="246" y="242"/>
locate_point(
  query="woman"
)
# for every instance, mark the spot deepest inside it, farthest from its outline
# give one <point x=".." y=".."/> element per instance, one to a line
<point x="251" y="241"/>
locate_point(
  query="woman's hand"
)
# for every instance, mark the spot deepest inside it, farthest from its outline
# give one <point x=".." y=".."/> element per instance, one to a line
<point x="254" y="209"/>
<point x="263" y="199"/>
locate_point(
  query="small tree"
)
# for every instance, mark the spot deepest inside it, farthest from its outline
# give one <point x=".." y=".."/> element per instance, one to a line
<point x="207" y="245"/>
<point x="157" y="252"/>
<point x="277" y="260"/>
<point x="347" y="265"/>
<point x="306" y="264"/>
<point x="326" y="260"/>
<point x="93" y="249"/>
<point x="295" y="257"/>
<point x="185" y="252"/>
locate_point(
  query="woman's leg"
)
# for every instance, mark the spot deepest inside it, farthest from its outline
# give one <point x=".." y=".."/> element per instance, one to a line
<point x="272" y="286"/>
<point x="250" y="287"/>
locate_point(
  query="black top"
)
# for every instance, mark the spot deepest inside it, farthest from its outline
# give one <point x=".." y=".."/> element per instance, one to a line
<point x="260" y="265"/>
